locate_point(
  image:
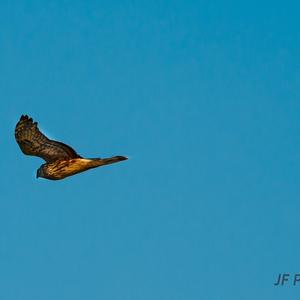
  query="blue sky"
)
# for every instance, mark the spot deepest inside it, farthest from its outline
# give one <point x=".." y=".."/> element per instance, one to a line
<point x="203" y="97"/>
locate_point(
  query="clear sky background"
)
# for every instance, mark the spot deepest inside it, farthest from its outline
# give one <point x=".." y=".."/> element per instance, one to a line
<point x="204" y="99"/>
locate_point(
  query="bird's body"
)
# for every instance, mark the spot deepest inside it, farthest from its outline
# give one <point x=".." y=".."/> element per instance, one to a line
<point x="64" y="168"/>
<point x="61" y="160"/>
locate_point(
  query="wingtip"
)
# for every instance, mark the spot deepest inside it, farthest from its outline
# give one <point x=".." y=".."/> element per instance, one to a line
<point x="26" y="118"/>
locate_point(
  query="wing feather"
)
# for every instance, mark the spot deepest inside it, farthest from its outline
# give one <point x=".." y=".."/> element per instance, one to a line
<point x="33" y="142"/>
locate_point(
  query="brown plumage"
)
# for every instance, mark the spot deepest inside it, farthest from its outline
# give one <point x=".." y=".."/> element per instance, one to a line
<point x="61" y="160"/>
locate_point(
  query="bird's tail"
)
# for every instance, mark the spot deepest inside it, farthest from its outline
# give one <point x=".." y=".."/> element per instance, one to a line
<point x="97" y="162"/>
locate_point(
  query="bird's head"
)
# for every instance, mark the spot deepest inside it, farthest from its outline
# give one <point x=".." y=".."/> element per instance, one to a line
<point x="40" y="172"/>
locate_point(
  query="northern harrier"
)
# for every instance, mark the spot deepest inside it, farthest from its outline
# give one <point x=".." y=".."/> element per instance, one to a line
<point x="61" y="160"/>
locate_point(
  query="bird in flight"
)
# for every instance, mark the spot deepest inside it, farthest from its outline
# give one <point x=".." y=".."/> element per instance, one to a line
<point x="61" y="160"/>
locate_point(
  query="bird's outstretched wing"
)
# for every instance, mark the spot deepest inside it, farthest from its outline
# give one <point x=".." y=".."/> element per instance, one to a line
<point x="33" y="142"/>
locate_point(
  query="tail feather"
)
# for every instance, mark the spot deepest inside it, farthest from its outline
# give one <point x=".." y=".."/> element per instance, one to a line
<point x="113" y="159"/>
<point x="107" y="161"/>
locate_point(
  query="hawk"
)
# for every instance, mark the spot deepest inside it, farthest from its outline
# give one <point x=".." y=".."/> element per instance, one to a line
<point x="61" y="160"/>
